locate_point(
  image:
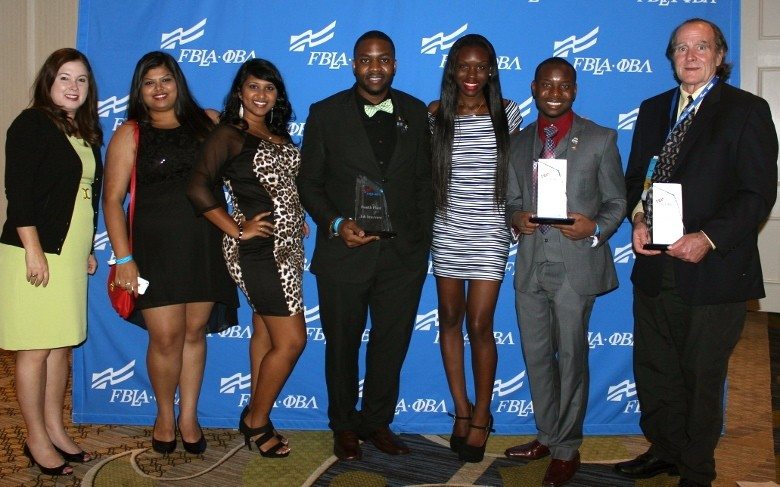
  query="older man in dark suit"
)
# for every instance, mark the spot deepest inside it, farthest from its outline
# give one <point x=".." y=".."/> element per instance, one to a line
<point x="719" y="143"/>
<point x="372" y="131"/>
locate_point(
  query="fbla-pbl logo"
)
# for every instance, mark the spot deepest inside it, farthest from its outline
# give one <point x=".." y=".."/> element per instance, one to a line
<point x="597" y="65"/>
<point x="237" y="381"/>
<point x="617" y="339"/>
<point x="202" y="57"/>
<point x="427" y="321"/>
<point x="101" y="241"/>
<point x="430" y="321"/>
<point x="624" y="254"/>
<point x="309" y="38"/>
<point x="115" y="106"/>
<point x="313" y="333"/>
<point x="574" y="44"/>
<point x="441" y="42"/>
<point x="169" y="40"/>
<point x="110" y="376"/>
<point x="132" y="397"/>
<point x="623" y="391"/>
<point x="626" y="121"/>
<point x="519" y="407"/>
<point x="666" y="3"/>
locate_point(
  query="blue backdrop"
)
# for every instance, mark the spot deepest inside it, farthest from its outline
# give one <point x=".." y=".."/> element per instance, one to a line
<point x="618" y="49"/>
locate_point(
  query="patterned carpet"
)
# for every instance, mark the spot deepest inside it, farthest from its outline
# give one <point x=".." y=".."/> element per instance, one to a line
<point x="124" y="457"/>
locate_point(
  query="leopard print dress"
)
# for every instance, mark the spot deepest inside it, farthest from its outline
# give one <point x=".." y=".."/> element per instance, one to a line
<point x="269" y="271"/>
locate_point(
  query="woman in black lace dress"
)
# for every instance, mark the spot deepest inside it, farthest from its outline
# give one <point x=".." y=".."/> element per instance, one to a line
<point x="177" y="252"/>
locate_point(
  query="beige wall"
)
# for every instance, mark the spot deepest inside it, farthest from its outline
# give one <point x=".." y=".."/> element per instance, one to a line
<point x="29" y="31"/>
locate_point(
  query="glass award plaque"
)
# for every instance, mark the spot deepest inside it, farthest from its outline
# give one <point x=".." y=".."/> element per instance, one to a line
<point x="371" y="208"/>
<point x="665" y="221"/>
<point x="551" y="193"/>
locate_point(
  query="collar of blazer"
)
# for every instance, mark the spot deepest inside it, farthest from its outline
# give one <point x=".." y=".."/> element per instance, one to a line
<point x="701" y="121"/>
<point x="568" y="144"/>
<point x="353" y="125"/>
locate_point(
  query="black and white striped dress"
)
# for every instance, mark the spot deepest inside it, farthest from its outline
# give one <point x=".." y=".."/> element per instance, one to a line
<point x="470" y="237"/>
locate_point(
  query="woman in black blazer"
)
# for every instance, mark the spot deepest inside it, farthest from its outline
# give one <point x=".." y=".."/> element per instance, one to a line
<point x="52" y="179"/>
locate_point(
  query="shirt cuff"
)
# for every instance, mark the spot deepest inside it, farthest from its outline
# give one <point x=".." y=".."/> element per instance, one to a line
<point x="708" y="239"/>
<point x="637" y="209"/>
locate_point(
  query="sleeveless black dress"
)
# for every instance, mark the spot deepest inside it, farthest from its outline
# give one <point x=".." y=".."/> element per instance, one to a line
<point x="177" y="251"/>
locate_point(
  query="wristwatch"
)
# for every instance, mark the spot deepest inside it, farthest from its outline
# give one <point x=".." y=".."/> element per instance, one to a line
<point x="595" y="236"/>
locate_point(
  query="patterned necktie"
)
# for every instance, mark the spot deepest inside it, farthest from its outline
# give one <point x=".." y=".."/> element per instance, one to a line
<point x="667" y="160"/>
<point x="385" y="106"/>
<point x="547" y="153"/>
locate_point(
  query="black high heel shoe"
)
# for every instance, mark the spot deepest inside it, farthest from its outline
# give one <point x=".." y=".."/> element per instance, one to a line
<point x="266" y="433"/>
<point x="59" y="470"/>
<point x="80" y="457"/>
<point x="195" y="448"/>
<point x="163" y="447"/>
<point x="475" y="454"/>
<point x="457" y="441"/>
<point x="242" y="427"/>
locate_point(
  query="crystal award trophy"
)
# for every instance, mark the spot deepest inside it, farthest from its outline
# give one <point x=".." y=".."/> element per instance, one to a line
<point x="371" y="208"/>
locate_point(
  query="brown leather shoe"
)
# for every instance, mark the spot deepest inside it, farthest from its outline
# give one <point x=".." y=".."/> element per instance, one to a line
<point x="560" y="472"/>
<point x="387" y="441"/>
<point x="346" y="445"/>
<point x="528" y="451"/>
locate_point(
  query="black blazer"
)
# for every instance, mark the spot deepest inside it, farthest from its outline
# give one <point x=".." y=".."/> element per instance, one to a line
<point x="335" y="150"/>
<point x="728" y="171"/>
<point x="42" y="174"/>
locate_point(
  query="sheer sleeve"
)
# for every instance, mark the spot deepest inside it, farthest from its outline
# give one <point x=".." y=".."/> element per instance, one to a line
<point x="219" y="148"/>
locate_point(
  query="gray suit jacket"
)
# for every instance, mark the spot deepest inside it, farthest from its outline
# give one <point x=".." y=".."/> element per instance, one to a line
<point x="594" y="188"/>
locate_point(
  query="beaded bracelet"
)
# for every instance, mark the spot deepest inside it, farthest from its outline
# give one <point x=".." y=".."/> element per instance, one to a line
<point x="125" y="259"/>
<point x="240" y="231"/>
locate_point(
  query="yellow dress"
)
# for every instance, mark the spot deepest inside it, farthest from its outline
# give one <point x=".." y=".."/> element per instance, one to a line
<point x="56" y="315"/>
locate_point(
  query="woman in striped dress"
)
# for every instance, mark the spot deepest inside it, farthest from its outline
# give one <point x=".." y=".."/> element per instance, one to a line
<point x="471" y="124"/>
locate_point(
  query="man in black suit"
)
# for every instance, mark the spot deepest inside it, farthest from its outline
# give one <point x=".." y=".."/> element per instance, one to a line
<point x="374" y="131"/>
<point x="689" y="301"/>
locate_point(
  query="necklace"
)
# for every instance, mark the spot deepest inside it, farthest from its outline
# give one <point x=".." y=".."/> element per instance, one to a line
<point x="472" y="108"/>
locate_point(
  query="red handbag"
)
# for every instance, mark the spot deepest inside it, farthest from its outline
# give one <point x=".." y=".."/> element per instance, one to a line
<point x="122" y="300"/>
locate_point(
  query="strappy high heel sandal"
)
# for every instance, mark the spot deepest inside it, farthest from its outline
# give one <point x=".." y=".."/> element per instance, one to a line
<point x="457" y="441"/>
<point x="242" y="427"/>
<point x="475" y="454"/>
<point x="266" y="433"/>
<point x="58" y="470"/>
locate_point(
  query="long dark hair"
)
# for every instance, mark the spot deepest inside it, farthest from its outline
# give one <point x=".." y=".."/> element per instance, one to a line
<point x="444" y="122"/>
<point x="279" y="116"/>
<point x="85" y="122"/>
<point x="187" y="110"/>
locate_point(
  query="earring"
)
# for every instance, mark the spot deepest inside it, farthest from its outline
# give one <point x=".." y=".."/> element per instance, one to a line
<point x="271" y="120"/>
<point x="241" y="111"/>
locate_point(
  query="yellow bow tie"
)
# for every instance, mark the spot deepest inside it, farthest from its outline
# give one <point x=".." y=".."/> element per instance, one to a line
<point x="385" y="106"/>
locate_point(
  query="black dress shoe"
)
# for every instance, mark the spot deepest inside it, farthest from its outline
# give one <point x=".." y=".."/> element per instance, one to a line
<point x="346" y="445"/>
<point x="645" y="466"/>
<point x="387" y="442"/>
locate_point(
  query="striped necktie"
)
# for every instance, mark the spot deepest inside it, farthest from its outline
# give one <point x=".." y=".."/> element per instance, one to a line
<point x="547" y="153"/>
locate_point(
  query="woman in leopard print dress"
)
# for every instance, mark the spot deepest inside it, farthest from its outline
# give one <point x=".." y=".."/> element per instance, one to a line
<point x="252" y="153"/>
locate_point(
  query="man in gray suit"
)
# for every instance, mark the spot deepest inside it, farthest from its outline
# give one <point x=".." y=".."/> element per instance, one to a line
<point x="561" y="268"/>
